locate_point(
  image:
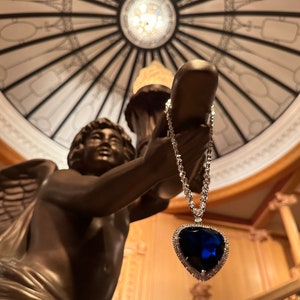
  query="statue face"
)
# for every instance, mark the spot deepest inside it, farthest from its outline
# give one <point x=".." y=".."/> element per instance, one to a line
<point x="103" y="150"/>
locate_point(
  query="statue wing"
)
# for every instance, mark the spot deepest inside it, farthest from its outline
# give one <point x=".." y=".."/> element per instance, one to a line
<point x="19" y="185"/>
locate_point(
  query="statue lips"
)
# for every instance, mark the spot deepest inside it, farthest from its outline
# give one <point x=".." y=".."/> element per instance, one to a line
<point x="104" y="151"/>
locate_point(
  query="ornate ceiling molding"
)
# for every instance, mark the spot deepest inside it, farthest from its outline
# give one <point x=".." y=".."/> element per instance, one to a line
<point x="25" y="139"/>
<point x="260" y="153"/>
<point x="67" y="62"/>
<point x="245" y="162"/>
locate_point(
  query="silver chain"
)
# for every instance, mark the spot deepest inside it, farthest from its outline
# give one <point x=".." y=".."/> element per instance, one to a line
<point x="197" y="212"/>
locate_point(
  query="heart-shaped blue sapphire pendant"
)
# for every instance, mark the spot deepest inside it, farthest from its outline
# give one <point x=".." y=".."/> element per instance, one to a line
<point x="202" y="249"/>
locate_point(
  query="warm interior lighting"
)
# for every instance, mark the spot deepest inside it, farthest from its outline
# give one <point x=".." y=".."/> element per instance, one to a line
<point x="148" y="23"/>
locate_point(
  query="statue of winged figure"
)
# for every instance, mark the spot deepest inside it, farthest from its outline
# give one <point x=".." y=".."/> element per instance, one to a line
<point x="62" y="232"/>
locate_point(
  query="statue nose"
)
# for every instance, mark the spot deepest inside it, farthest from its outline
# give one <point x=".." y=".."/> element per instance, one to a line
<point x="105" y="141"/>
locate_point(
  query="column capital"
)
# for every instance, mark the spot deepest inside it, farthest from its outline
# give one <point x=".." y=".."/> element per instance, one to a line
<point x="258" y="235"/>
<point x="282" y="199"/>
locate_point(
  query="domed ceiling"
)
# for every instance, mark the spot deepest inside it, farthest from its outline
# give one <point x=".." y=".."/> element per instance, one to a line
<point x="66" y="62"/>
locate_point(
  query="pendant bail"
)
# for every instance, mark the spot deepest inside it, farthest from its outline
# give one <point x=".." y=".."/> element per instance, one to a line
<point x="198" y="214"/>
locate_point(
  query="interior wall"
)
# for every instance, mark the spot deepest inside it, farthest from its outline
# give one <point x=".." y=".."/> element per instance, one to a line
<point x="151" y="269"/>
<point x="8" y="156"/>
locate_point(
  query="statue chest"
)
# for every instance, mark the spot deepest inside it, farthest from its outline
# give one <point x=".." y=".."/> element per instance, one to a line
<point x="100" y="258"/>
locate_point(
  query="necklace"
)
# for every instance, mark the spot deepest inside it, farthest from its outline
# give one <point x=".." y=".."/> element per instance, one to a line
<point x="202" y="249"/>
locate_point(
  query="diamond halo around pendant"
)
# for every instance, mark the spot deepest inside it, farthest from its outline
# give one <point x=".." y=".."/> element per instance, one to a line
<point x="203" y="250"/>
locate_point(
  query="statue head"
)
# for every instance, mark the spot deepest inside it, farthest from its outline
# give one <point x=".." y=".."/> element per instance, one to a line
<point x="77" y="148"/>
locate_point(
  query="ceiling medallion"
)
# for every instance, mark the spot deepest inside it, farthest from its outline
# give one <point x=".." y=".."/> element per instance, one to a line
<point x="148" y="24"/>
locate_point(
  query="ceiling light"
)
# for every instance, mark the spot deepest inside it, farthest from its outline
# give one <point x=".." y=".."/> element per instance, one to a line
<point x="148" y="23"/>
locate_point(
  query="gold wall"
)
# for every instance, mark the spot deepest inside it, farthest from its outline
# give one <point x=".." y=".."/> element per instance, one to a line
<point x="151" y="270"/>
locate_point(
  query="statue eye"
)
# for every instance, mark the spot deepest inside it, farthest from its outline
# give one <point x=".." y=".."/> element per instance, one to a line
<point x="95" y="136"/>
<point x="115" y="140"/>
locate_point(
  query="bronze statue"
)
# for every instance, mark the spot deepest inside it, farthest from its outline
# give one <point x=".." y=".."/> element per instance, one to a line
<point x="62" y="232"/>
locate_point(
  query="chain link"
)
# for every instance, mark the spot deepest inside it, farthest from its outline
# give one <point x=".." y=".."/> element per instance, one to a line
<point x="197" y="212"/>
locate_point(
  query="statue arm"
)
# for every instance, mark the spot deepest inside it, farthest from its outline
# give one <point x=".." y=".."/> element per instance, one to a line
<point x="157" y="199"/>
<point x="117" y="188"/>
<point x="99" y="196"/>
<point x="146" y="206"/>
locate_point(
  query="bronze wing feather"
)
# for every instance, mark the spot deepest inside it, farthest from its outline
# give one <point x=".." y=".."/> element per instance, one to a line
<point x="19" y="185"/>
